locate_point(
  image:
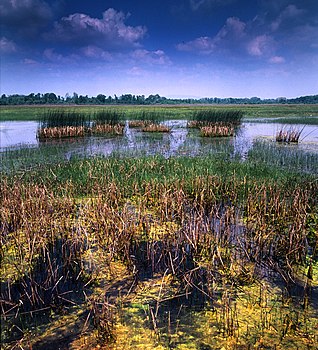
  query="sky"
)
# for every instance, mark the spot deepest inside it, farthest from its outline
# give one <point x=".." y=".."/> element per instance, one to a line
<point x="174" y="48"/>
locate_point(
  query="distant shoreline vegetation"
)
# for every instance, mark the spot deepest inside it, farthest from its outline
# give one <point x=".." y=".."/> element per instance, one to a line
<point x="100" y="99"/>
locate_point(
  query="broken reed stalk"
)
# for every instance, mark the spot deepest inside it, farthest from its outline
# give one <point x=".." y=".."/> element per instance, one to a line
<point x="100" y="129"/>
<point x="62" y="132"/>
<point x="217" y="131"/>
<point x="138" y="123"/>
<point x="80" y="131"/>
<point x="155" y="128"/>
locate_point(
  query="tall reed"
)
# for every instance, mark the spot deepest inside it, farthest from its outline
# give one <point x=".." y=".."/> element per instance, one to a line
<point x="109" y="117"/>
<point x="206" y="117"/>
<point x="63" y="118"/>
<point x="290" y="135"/>
<point x="145" y="117"/>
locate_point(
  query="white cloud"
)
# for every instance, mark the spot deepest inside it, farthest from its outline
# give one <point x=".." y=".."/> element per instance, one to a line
<point x="291" y="12"/>
<point x="151" y="57"/>
<point x="55" y="57"/>
<point x="233" y="28"/>
<point x="108" y="32"/>
<point x="277" y="59"/>
<point x="261" y="45"/>
<point x="30" y="61"/>
<point x="202" y="45"/>
<point x="136" y="71"/>
<point x="231" y="32"/>
<point x="198" y="4"/>
<point x="96" y="52"/>
<point x="7" y="46"/>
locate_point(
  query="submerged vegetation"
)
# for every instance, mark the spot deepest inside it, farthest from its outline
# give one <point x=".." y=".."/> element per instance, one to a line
<point x="205" y="252"/>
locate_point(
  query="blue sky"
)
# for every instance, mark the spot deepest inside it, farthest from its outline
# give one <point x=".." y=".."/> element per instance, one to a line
<point x="176" y="48"/>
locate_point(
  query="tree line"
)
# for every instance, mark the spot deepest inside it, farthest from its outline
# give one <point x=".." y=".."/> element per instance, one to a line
<point x="101" y="99"/>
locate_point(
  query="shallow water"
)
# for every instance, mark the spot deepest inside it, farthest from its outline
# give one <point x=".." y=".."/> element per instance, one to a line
<point x="181" y="141"/>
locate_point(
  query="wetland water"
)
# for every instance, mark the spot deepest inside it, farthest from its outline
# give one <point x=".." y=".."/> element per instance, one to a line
<point x="179" y="142"/>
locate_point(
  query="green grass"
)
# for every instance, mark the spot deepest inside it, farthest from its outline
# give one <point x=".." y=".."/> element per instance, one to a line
<point x="108" y="116"/>
<point x="19" y="160"/>
<point x="127" y="172"/>
<point x="286" y="157"/>
<point x="208" y="116"/>
<point x="61" y="118"/>
<point x="305" y="112"/>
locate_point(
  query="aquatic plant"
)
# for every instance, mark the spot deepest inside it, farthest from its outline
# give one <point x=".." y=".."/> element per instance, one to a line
<point x="206" y="117"/>
<point x="137" y="123"/>
<point x="290" y="135"/>
<point x="108" y="117"/>
<point x="63" y="118"/>
<point x="142" y="118"/>
<point x="285" y="157"/>
<point x="155" y="128"/>
<point x="61" y="132"/>
<point x="217" y="130"/>
<point x="100" y="129"/>
<point x="160" y="252"/>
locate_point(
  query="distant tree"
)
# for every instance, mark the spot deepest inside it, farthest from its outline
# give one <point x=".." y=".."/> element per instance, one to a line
<point x="101" y="99"/>
<point x="75" y="98"/>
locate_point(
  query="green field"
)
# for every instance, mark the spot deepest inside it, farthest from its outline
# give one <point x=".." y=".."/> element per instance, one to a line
<point x="305" y="112"/>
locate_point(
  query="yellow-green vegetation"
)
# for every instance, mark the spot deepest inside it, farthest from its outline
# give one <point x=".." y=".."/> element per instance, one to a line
<point x="157" y="253"/>
<point x="305" y="112"/>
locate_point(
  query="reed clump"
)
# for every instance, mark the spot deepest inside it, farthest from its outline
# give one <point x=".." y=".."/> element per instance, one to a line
<point x="138" y="123"/>
<point x="55" y="118"/>
<point x="57" y="124"/>
<point x="100" y="129"/>
<point x="156" y="128"/>
<point x="109" y="117"/>
<point x="208" y="117"/>
<point x="62" y="132"/>
<point x="217" y="130"/>
<point x="144" y="118"/>
<point x="290" y="135"/>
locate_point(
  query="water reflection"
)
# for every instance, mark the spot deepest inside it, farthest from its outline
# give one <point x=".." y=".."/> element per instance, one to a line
<point x="180" y="141"/>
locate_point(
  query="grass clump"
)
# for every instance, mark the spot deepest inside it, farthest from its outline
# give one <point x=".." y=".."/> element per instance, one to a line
<point x="109" y="117"/>
<point x="217" y="130"/>
<point x="109" y="121"/>
<point x="290" y="135"/>
<point x="155" y="128"/>
<point x="143" y="118"/>
<point x="62" y="118"/>
<point x="57" y="124"/>
<point x="207" y="117"/>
